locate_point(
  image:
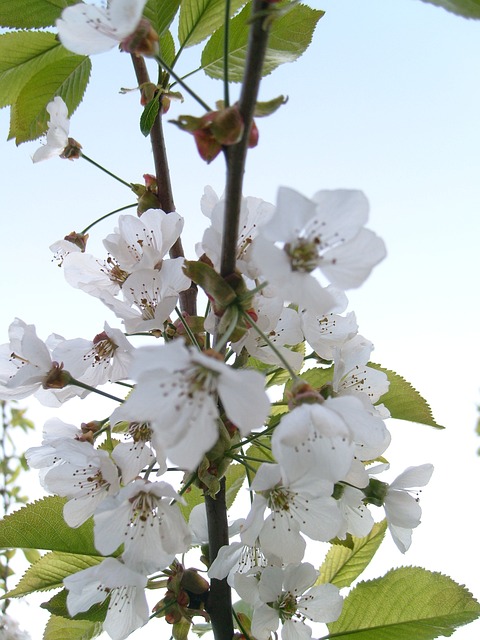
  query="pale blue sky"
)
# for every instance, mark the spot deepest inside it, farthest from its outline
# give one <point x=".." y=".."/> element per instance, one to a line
<point x="385" y="100"/>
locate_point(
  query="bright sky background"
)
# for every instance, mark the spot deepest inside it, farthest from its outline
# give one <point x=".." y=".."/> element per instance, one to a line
<point x="385" y="100"/>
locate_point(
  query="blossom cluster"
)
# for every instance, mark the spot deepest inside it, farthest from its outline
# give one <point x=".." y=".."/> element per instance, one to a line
<point x="185" y="400"/>
<point x="193" y="408"/>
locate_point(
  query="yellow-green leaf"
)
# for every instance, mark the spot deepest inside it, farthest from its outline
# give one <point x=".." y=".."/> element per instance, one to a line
<point x="409" y="603"/>
<point x="343" y="564"/>
<point x="31" y="14"/>
<point x="49" y="572"/>
<point x="290" y="36"/>
<point x="200" y="18"/>
<point x="465" y="8"/>
<point x="63" y="629"/>
<point x="403" y="401"/>
<point x="40" y="525"/>
<point x="67" y="78"/>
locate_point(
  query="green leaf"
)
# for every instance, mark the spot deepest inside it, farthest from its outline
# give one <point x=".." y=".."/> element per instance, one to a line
<point x="40" y="525"/>
<point x="167" y="48"/>
<point x="465" y="8"/>
<point x="68" y="78"/>
<point x="58" y="607"/>
<point x="31" y="14"/>
<point x="235" y="477"/>
<point x="403" y="401"/>
<point x="161" y="14"/>
<point x="343" y="564"/>
<point x="49" y="572"/>
<point x="180" y="630"/>
<point x="22" y="55"/>
<point x="405" y="604"/>
<point x="200" y="18"/>
<point x="149" y="114"/>
<point x="290" y="36"/>
<point x="63" y="629"/>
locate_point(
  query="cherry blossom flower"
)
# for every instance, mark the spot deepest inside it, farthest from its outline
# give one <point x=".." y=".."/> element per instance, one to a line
<point x="401" y="504"/>
<point x="86" y="29"/>
<point x="10" y="629"/>
<point x="176" y="393"/>
<point x="85" y="475"/>
<point x="281" y="325"/>
<point x="135" y="454"/>
<point x="324" y="233"/>
<point x="142" y="242"/>
<point x="149" y="296"/>
<point x="296" y="507"/>
<point x="106" y="358"/>
<point x="254" y="212"/>
<point x="127" y="609"/>
<point x="142" y="518"/>
<point x="57" y="132"/>
<point x="352" y="375"/>
<point x="314" y="440"/>
<point x="286" y="595"/>
<point x="27" y="367"/>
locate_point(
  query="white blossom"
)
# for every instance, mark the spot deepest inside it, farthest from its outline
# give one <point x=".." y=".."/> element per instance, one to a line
<point x="127" y="609"/>
<point x="141" y="242"/>
<point x="296" y="507"/>
<point x="85" y="476"/>
<point x="254" y="212"/>
<point x="286" y="596"/>
<point x="324" y="233"/>
<point x="142" y="518"/>
<point x="86" y="29"/>
<point x="401" y="504"/>
<point x="57" y="132"/>
<point x="176" y="393"/>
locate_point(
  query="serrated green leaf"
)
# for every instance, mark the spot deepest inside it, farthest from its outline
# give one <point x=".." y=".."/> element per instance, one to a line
<point x="40" y="525"/>
<point x="22" y="55"/>
<point x="403" y="401"/>
<point x="31" y="14"/>
<point x="58" y="607"/>
<point x="63" y="629"/>
<point x="49" y="572"/>
<point x="343" y="564"/>
<point x="67" y="78"/>
<point x="161" y="14"/>
<point x="149" y="114"/>
<point x="290" y="36"/>
<point x="465" y="8"/>
<point x="167" y="48"/>
<point x="200" y="18"/>
<point x="235" y="477"/>
<point x="405" y="604"/>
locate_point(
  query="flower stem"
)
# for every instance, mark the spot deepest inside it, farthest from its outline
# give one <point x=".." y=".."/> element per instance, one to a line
<point x="185" y="86"/>
<point x="128" y="206"/>
<point x="99" y="166"/>
<point x="188" y="331"/>
<point x="82" y="385"/>
<point x="267" y="340"/>
<point x="188" y="298"/>
<point x="222" y="341"/>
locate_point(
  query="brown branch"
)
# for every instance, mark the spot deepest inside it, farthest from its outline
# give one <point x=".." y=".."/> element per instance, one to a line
<point x="188" y="298"/>
<point x="236" y="155"/>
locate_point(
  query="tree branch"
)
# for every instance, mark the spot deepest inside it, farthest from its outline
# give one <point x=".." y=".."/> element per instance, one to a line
<point x="188" y="298"/>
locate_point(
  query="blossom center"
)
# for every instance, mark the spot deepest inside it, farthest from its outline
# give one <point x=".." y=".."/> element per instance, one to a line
<point x="304" y="254"/>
